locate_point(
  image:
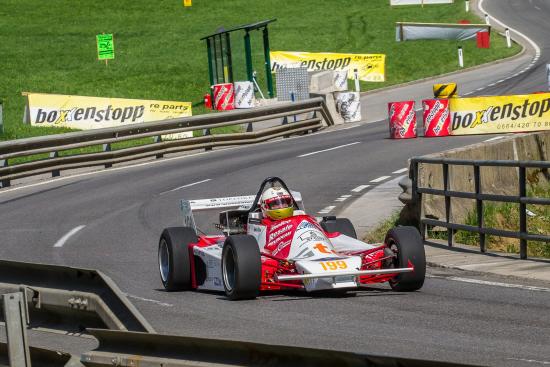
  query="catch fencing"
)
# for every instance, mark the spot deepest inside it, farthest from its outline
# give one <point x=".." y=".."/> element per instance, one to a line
<point x="54" y="144"/>
<point x="521" y="198"/>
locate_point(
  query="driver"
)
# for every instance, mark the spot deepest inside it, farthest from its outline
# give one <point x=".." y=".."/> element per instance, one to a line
<point x="276" y="203"/>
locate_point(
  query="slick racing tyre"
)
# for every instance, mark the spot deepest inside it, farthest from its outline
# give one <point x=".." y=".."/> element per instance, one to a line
<point x="241" y="267"/>
<point x="173" y="257"/>
<point x="342" y="225"/>
<point x="406" y="244"/>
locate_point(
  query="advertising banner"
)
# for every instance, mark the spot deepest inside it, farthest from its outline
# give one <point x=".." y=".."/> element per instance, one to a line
<point x="406" y="31"/>
<point x="86" y="113"/>
<point x="371" y="67"/>
<point x="419" y="2"/>
<point x="501" y="114"/>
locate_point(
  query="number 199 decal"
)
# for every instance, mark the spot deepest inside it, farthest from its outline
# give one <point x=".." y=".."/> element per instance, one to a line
<point x="334" y="265"/>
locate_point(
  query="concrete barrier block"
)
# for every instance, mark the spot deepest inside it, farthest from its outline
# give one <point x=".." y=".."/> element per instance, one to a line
<point x="322" y="82"/>
<point x="331" y="106"/>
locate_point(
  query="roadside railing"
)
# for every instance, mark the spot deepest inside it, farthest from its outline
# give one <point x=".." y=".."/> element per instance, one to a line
<point x="54" y="144"/>
<point x="522" y="199"/>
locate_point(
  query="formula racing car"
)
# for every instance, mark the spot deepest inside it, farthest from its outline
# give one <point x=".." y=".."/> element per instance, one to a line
<point x="269" y="243"/>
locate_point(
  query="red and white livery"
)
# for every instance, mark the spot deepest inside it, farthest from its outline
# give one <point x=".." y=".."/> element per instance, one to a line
<point x="256" y="253"/>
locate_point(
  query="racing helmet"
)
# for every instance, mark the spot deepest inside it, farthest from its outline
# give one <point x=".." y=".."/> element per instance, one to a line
<point x="276" y="203"/>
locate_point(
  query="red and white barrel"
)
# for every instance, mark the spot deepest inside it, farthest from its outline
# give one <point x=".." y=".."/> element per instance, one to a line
<point x="402" y="118"/>
<point x="437" y="118"/>
<point x="224" y="97"/>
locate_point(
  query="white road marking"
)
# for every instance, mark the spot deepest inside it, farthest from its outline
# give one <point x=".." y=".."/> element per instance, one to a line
<point x="347" y="128"/>
<point x="529" y="360"/>
<point x="360" y="188"/>
<point x="326" y="150"/>
<point x="382" y="178"/>
<point x="326" y="209"/>
<point x="184" y="186"/>
<point x="343" y="198"/>
<point x="149" y="300"/>
<point x="495" y="284"/>
<point x="401" y="170"/>
<point x="495" y="138"/>
<point x="68" y="235"/>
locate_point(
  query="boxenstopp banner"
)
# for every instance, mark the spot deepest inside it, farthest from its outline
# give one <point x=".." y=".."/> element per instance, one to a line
<point x="85" y="113"/>
<point x="501" y="114"/>
<point x="370" y="67"/>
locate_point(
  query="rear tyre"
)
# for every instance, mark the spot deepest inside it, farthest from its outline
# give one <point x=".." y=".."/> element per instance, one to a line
<point x="342" y="225"/>
<point x="241" y="267"/>
<point x="173" y="257"/>
<point x="406" y="244"/>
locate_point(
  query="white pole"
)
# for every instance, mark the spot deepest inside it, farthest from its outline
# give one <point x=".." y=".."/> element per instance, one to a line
<point x="487" y="19"/>
<point x="356" y="77"/>
<point x="460" y="57"/>
<point x="548" y="75"/>
<point x="467" y="3"/>
<point x="508" y="39"/>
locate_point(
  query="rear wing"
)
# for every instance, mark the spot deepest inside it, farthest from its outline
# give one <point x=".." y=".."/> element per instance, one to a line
<point x="239" y="202"/>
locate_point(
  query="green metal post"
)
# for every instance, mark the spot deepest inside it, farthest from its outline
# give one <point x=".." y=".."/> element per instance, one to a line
<point x="210" y="69"/>
<point x="222" y="55"/>
<point x="248" y="53"/>
<point x="229" y="61"/>
<point x="267" y="59"/>
<point x="1" y="119"/>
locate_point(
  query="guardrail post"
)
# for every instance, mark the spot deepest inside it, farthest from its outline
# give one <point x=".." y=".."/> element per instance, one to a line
<point x="55" y="172"/>
<point x="479" y="207"/>
<point x="206" y="132"/>
<point x="15" y="314"/>
<point x="417" y="198"/>
<point x="450" y="232"/>
<point x="158" y="139"/>
<point x="522" y="214"/>
<point x="107" y="148"/>
<point x="4" y="183"/>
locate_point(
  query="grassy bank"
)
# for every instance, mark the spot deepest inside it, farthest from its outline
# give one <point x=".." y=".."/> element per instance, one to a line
<point x="49" y="46"/>
<point x="506" y="216"/>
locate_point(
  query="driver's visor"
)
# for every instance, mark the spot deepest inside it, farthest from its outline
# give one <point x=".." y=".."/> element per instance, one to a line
<point x="279" y="202"/>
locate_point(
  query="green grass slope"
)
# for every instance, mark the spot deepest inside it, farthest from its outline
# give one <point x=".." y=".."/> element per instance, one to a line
<point x="49" y="46"/>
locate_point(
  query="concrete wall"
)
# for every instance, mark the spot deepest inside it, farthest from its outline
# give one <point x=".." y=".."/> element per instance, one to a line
<point x="494" y="180"/>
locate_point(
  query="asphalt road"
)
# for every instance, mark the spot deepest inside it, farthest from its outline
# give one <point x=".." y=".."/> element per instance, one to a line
<point x="120" y="214"/>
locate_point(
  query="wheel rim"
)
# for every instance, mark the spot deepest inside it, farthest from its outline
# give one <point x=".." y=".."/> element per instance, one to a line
<point x="229" y="269"/>
<point x="164" y="260"/>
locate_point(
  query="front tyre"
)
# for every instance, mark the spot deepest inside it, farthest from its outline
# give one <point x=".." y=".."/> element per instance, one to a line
<point x="173" y="257"/>
<point x="241" y="267"/>
<point x="406" y="244"/>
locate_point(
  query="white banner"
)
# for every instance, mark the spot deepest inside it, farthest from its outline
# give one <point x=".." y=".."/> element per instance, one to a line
<point x="418" y="31"/>
<point x="419" y="2"/>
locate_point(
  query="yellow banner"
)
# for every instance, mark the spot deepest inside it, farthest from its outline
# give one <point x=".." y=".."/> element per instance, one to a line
<point x="503" y="114"/>
<point x="85" y="113"/>
<point x="371" y="67"/>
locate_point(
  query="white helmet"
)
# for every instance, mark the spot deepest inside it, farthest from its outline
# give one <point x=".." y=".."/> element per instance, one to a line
<point x="276" y="203"/>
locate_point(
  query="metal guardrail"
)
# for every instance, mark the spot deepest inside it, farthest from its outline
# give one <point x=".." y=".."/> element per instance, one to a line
<point x="41" y="357"/>
<point x="70" y="299"/>
<point x="141" y="349"/>
<point x="53" y="144"/>
<point x="522" y="199"/>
